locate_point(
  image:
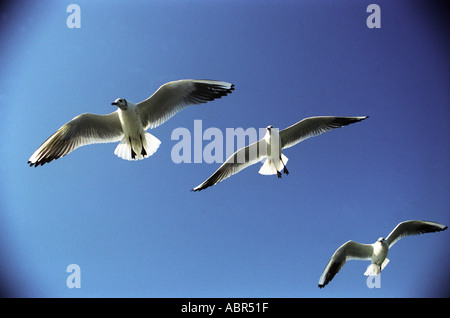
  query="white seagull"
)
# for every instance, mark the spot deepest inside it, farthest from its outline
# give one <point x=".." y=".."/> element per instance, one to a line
<point x="376" y="252"/>
<point x="128" y="124"/>
<point x="270" y="147"/>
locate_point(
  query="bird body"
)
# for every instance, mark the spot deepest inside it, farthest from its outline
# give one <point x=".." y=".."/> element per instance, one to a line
<point x="130" y="119"/>
<point x="137" y="143"/>
<point x="379" y="258"/>
<point x="275" y="160"/>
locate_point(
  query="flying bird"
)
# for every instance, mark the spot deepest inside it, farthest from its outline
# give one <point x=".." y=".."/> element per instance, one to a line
<point x="128" y="124"/>
<point x="376" y="252"/>
<point x="271" y="145"/>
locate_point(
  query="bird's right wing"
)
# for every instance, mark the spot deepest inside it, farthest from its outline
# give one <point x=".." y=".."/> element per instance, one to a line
<point x="174" y="96"/>
<point x="348" y="251"/>
<point x="83" y="130"/>
<point x="241" y="159"/>
<point x="313" y="126"/>
<point x="413" y="228"/>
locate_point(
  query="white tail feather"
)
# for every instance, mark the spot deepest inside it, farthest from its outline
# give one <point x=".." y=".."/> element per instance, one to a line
<point x="270" y="167"/>
<point x="123" y="150"/>
<point x="372" y="270"/>
<point x="149" y="142"/>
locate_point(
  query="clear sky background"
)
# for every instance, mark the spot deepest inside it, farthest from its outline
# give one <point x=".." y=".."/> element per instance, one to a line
<point x="135" y="228"/>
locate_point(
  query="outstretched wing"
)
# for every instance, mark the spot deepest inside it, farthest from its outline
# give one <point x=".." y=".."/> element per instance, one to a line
<point x="313" y="126"/>
<point x="241" y="159"/>
<point x="413" y="228"/>
<point x="348" y="251"/>
<point x="172" y="97"/>
<point x="83" y="130"/>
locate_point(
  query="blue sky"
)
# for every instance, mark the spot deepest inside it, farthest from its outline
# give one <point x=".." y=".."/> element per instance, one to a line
<point x="135" y="228"/>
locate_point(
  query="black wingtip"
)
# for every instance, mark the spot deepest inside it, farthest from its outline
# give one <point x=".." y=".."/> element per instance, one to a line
<point x="362" y="118"/>
<point x="358" y="119"/>
<point x="202" y="187"/>
<point x="35" y="164"/>
<point x="206" y="92"/>
<point x="42" y="162"/>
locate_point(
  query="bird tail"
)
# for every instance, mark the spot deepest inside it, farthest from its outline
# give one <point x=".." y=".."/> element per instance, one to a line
<point x="137" y="149"/>
<point x="270" y="167"/>
<point x="151" y="144"/>
<point x="373" y="270"/>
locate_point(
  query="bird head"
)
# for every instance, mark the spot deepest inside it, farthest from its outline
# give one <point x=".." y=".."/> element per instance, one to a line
<point x="121" y="103"/>
<point x="269" y="129"/>
<point x="381" y="239"/>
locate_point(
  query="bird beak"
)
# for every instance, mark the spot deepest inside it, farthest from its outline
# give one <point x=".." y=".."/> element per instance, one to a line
<point x="114" y="103"/>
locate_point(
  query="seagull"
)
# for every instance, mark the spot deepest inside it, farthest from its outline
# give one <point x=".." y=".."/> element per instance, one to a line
<point x="375" y="252"/>
<point x="128" y="124"/>
<point x="270" y="146"/>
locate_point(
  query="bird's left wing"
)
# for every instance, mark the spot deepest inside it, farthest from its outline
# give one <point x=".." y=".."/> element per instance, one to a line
<point x="83" y="130"/>
<point x="413" y="228"/>
<point x="347" y="251"/>
<point x="313" y="126"/>
<point x="241" y="159"/>
<point x="174" y="96"/>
